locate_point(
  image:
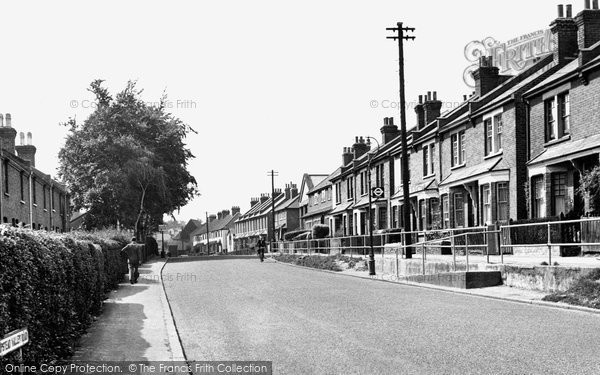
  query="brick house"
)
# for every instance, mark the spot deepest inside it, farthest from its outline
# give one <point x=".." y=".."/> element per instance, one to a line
<point x="309" y="182"/>
<point x="29" y="197"/>
<point x="320" y="203"/>
<point x="564" y="113"/>
<point x="256" y="221"/>
<point x="287" y="213"/>
<point x="220" y="236"/>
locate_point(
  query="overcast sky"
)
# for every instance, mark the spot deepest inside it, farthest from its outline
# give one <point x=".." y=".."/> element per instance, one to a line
<point x="266" y="84"/>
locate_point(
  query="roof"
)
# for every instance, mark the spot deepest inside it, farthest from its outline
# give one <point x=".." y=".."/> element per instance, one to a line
<point x="567" y="148"/>
<point x="341" y="208"/>
<point x="562" y="72"/>
<point x="326" y="181"/>
<point x="319" y="212"/>
<point x="290" y="203"/>
<point x="417" y="188"/>
<point x="458" y="175"/>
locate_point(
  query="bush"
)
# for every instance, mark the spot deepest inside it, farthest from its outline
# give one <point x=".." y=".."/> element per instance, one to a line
<point x="319" y="262"/>
<point x="320" y="231"/>
<point x="53" y="284"/>
<point x="585" y="291"/>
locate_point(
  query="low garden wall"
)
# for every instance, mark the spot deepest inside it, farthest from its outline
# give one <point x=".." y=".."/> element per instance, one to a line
<point x="53" y="285"/>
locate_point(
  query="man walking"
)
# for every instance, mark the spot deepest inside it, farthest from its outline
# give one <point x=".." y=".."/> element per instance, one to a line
<point x="134" y="255"/>
<point x="261" y="245"/>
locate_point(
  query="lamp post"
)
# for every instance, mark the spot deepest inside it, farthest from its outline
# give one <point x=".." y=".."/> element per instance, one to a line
<point x="371" y="250"/>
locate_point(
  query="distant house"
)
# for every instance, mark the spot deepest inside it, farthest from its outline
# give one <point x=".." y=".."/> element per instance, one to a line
<point x="256" y="221"/>
<point x="187" y="233"/>
<point x="287" y="216"/>
<point x="309" y="181"/>
<point x="320" y="203"/>
<point x="220" y="236"/>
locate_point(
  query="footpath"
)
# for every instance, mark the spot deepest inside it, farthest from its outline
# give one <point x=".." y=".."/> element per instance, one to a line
<point x="136" y="323"/>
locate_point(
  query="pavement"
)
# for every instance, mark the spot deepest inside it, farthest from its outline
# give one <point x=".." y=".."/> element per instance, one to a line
<point x="136" y="323"/>
<point x="309" y="322"/>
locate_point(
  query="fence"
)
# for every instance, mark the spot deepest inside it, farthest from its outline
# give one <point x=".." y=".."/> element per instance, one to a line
<point x="556" y="237"/>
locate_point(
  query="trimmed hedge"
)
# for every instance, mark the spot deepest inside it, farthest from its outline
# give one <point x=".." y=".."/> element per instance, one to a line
<point x="54" y="285"/>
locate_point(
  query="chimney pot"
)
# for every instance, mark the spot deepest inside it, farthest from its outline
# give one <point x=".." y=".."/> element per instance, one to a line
<point x="560" y="11"/>
<point x="385" y="121"/>
<point x="429" y="95"/>
<point x="435" y="95"/>
<point x="391" y="121"/>
<point x="464" y="98"/>
<point x="595" y="4"/>
<point x="587" y="4"/>
<point x="8" y="120"/>
<point x="22" y="138"/>
<point x="1" y="120"/>
<point x="569" y="11"/>
<point x="29" y="138"/>
<point x="420" y="99"/>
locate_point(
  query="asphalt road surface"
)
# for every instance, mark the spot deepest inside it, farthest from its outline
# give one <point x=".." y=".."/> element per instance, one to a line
<point x="310" y="322"/>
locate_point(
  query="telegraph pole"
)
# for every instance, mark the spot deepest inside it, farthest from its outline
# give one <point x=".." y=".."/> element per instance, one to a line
<point x="272" y="173"/>
<point x="405" y="179"/>
<point x="207" y="236"/>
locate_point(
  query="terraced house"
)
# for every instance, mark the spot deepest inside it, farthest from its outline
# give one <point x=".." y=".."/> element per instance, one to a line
<point x="256" y="221"/>
<point x="29" y="197"/>
<point x="564" y="121"/>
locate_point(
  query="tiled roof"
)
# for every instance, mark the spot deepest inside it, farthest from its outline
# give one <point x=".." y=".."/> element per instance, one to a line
<point x="567" y="148"/>
<point x="326" y="181"/>
<point x="467" y="172"/>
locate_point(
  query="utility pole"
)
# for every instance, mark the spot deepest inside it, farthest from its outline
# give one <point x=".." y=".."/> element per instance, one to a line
<point x="272" y="173"/>
<point x="405" y="178"/>
<point x="207" y="236"/>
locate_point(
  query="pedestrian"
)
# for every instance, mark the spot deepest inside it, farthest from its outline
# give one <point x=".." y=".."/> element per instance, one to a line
<point x="261" y="245"/>
<point x="133" y="253"/>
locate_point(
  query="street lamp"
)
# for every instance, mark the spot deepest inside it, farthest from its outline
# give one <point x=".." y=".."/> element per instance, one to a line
<point x="371" y="251"/>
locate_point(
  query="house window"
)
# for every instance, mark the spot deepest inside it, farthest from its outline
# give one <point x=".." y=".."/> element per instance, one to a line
<point x="459" y="207"/>
<point x="338" y="192"/>
<point x="502" y="190"/>
<point x="34" y="191"/>
<point x="382" y="220"/>
<point x="428" y="164"/>
<point x="537" y="184"/>
<point x="559" y="193"/>
<point x="558" y="116"/>
<point x="350" y="188"/>
<point x="458" y="148"/>
<point x="5" y="165"/>
<point x="22" y="186"/>
<point x="434" y="213"/>
<point x="446" y="210"/>
<point x="395" y="217"/>
<point x="486" y="200"/>
<point x="422" y="214"/>
<point x="493" y="134"/>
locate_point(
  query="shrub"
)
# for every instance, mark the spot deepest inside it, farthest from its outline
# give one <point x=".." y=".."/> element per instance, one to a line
<point x="320" y="231"/>
<point x="585" y="291"/>
<point x="53" y="284"/>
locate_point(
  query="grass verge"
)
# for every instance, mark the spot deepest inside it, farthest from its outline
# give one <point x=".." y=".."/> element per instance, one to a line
<point x="585" y="291"/>
<point x="332" y="263"/>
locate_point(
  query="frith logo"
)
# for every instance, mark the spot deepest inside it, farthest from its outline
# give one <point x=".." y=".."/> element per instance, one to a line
<point x="510" y="57"/>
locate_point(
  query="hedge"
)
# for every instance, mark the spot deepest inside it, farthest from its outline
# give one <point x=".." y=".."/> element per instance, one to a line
<point x="54" y="285"/>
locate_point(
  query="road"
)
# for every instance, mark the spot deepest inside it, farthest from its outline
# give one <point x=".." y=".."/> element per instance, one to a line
<point x="310" y="322"/>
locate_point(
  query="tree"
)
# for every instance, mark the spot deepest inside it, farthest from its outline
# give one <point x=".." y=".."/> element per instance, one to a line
<point x="127" y="162"/>
<point x="590" y="188"/>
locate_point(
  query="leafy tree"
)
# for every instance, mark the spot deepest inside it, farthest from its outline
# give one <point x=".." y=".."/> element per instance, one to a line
<point x="590" y="188"/>
<point x="127" y="162"/>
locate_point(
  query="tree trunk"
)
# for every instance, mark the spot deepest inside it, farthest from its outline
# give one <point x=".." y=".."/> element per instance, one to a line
<point x="137" y="221"/>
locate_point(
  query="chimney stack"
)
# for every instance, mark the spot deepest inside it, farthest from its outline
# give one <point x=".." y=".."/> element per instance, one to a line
<point x="293" y="190"/>
<point x="264" y="197"/>
<point x="389" y="131"/>
<point x="220" y="215"/>
<point x="420" y="113"/>
<point x="235" y="210"/>
<point x="8" y="135"/>
<point x="253" y="202"/>
<point x="211" y="218"/>
<point x="588" y="25"/>
<point x="564" y="36"/>
<point x="287" y="192"/>
<point x="486" y="77"/>
<point x="225" y="213"/>
<point x="431" y="108"/>
<point x="360" y="147"/>
<point x="26" y="151"/>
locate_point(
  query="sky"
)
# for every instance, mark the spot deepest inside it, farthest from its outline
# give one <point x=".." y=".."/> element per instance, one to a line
<point x="267" y="85"/>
